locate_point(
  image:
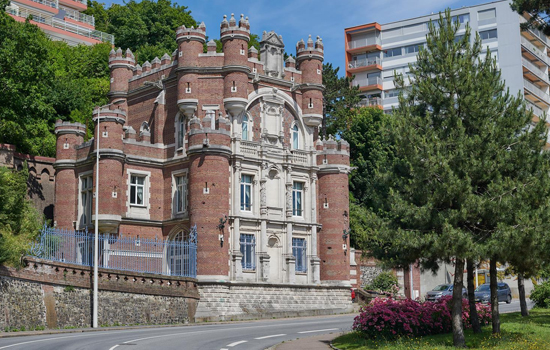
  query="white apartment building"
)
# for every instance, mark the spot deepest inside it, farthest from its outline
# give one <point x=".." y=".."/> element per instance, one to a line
<point x="374" y="52"/>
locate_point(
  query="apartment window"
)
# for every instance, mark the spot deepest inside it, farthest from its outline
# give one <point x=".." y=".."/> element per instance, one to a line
<point x="393" y="52"/>
<point x="180" y="194"/>
<point x="180" y="131"/>
<point x="245" y="128"/>
<point x="295" y="137"/>
<point x="458" y="38"/>
<point x="246" y="192"/>
<point x="297" y="198"/>
<point x="248" y="250"/>
<point x="413" y="48"/>
<point x="299" y="250"/>
<point x="486" y="14"/>
<point x="392" y="93"/>
<point x="464" y="18"/>
<point x="86" y="198"/>
<point x="137" y="190"/>
<point x="488" y="34"/>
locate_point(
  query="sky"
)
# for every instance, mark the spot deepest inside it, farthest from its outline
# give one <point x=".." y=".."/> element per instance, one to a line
<point x="297" y="19"/>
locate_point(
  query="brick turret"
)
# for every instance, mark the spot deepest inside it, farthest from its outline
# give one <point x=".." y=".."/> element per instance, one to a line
<point x="333" y="204"/>
<point x="69" y="136"/>
<point x="190" y="46"/>
<point x="209" y="153"/>
<point x="235" y="37"/>
<point x="122" y="69"/>
<point x="309" y="59"/>
<point x="111" y="163"/>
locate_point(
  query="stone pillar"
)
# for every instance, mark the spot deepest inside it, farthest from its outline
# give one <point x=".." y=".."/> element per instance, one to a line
<point x="264" y="257"/>
<point x="236" y="253"/>
<point x="290" y="259"/>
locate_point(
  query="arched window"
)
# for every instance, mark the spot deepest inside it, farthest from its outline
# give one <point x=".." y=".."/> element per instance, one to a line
<point x="180" y="129"/>
<point x="295" y="137"/>
<point x="245" y="128"/>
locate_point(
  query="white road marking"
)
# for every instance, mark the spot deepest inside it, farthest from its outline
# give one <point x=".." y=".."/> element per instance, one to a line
<point x="320" y="330"/>
<point x="237" y="343"/>
<point x="41" y="340"/>
<point x="270" y="336"/>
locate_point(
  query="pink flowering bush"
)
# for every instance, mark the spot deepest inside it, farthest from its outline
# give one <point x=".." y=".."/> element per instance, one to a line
<point x="389" y="318"/>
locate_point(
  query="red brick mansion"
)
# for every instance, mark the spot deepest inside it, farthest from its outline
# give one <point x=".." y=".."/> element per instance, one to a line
<point x="228" y="142"/>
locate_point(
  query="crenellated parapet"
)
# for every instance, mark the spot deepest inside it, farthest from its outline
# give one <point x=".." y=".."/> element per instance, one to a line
<point x="122" y="69"/>
<point x="69" y="136"/>
<point x="332" y="155"/>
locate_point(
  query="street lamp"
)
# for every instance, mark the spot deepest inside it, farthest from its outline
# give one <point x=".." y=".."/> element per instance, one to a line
<point x="96" y="236"/>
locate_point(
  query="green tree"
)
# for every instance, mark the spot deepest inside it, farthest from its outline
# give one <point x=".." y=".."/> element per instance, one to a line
<point x="464" y="157"/>
<point x="19" y="221"/>
<point x="539" y="11"/>
<point x="339" y="100"/>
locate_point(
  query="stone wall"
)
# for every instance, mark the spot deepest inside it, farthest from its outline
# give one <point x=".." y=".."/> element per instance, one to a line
<point x="239" y="301"/>
<point x="57" y="295"/>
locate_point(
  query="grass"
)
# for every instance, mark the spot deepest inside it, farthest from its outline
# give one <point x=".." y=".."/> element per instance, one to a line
<point x="517" y="333"/>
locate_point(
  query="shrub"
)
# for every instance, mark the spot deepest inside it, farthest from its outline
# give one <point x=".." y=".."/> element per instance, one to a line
<point x="384" y="282"/>
<point x="541" y="295"/>
<point x="389" y="318"/>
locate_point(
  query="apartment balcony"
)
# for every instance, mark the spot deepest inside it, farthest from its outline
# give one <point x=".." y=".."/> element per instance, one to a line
<point x="60" y="28"/>
<point x="371" y="102"/>
<point x="533" y="72"/>
<point x="537" y="111"/>
<point x="373" y="43"/>
<point x="532" y="52"/>
<point x="368" y="84"/>
<point x="364" y="64"/>
<point x="534" y="33"/>
<point x="535" y="94"/>
<point x="78" y="16"/>
<point x="77" y="4"/>
<point x="50" y="5"/>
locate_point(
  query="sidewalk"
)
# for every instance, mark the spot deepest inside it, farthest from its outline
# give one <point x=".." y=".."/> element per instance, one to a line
<point x="319" y="342"/>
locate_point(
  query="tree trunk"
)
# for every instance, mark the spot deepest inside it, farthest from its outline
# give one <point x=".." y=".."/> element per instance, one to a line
<point x="522" y="302"/>
<point x="458" y="327"/>
<point x="494" y="296"/>
<point x="474" y="318"/>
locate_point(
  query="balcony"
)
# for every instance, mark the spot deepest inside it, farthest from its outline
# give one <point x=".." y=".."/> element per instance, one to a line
<point x="52" y="4"/>
<point x="249" y="149"/>
<point x="535" y="51"/>
<point x="535" y="33"/>
<point x="78" y="16"/>
<point x="364" y="62"/>
<point x="57" y="23"/>
<point x="299" y="157"/>
<point x="372" y="83"/>
<point x="536" y="110"/>
<point x="536" y="92"/>
<point x="535" y="71"/>
<point x="370" y="102"/>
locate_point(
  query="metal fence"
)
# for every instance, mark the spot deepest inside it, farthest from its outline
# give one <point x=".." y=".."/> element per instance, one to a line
<point x="144" y="255"/>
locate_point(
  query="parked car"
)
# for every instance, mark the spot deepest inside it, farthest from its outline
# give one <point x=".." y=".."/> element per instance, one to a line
<point x="443" y="290"/>
<point x="483" y="293"/>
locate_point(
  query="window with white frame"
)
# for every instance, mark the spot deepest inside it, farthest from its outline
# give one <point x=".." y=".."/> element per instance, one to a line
<point x="246" y="192"/>
<point x="295" y="137"/>
<point x="299" y="250"/>
<point x="245" y="128"/>
<point x="488" y="34"/>
<point x="248" y="250"/>
<point x="137" y="190"/>
<point x="180" y="131"/>
<point x="297" y="198"/>
<point x="180" y="194"/>
<point x="86" y="198"/>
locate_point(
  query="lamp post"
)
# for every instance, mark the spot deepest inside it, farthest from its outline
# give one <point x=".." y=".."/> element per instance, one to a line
<point x="96" y="235"/>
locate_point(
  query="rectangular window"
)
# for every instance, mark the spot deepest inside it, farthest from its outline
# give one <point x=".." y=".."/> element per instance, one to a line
<point x="181" y="132"/>
<point x="393" y="52"/>
<point x="246" y="192"/>
<point x="137" y="190"/>
<point x="486" y="14"/>
<point x="248" y="250"/>
<point x="392" y="93"/>
<point x="180" y="194"/>
<point x="464" y="18"/>
<point x="413" y="48"/>
<point x="86" y="198"/>
<point x="488" y="34"/>
<point x="297" y="198"/>
<point x="300" y="253"/>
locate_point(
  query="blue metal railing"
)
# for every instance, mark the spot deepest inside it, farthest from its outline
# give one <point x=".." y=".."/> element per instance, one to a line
<point x="143" y="255"/>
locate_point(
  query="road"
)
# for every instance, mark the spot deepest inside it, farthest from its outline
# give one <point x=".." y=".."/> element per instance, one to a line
<point x="256" y="335"/>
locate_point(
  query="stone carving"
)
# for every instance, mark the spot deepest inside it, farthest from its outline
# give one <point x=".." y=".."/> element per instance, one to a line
<point x="263" y="193"/>
<point x="272" y="51"/>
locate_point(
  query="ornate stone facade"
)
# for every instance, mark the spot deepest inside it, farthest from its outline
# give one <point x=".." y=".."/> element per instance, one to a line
<point x="227" y="141"/>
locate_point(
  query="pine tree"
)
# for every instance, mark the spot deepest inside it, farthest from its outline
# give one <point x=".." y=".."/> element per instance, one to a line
<point x="465" y="156"/>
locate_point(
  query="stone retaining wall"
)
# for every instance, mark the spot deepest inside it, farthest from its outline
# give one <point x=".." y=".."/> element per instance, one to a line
<point x="58" y="295"/>
<point x="239" y="301"/>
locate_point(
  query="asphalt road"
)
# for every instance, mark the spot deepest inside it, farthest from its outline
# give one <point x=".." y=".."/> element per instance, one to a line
<point x="256" y="335"/>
